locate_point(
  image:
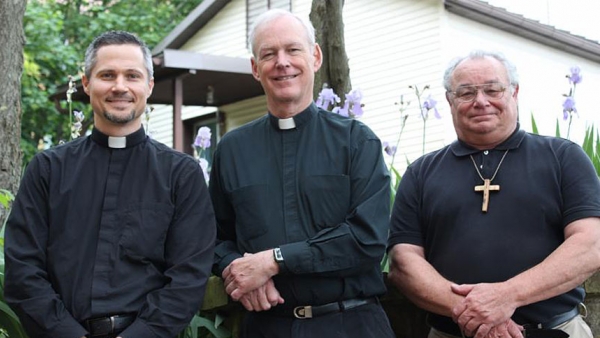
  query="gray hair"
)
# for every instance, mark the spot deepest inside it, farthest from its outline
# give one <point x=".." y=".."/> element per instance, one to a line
<point x="273" y="14"/>
<point x="116" y="38"/>
<point x="511" y="69"/>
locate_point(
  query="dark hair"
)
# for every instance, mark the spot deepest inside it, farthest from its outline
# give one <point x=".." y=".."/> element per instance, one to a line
<point x="116" y="38"/>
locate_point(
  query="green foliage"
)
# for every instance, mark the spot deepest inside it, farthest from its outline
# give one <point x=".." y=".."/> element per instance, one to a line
<point x="591" y="146"/>
<point x="5" y="198"/>
<point x="205" y="326"/>
<point x="57" y="33"/>
<point x="9" y="322"/>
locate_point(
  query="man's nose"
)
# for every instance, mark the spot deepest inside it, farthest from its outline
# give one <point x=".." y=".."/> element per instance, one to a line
<point x="282" y="59"/>
<point x="120" y="84"/>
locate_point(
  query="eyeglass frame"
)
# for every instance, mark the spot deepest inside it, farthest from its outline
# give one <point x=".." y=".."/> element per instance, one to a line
<point x="478" y="89"/>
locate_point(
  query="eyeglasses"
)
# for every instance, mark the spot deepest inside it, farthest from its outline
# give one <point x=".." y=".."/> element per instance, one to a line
<point x="489" y="90"/>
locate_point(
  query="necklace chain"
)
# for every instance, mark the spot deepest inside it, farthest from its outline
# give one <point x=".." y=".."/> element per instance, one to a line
<point x="497" y="168"/>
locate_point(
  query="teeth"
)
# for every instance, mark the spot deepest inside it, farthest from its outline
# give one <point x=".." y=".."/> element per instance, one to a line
<point x="286" y="77"/>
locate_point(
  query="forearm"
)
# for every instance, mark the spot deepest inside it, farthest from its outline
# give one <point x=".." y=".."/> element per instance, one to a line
<point x="420" y="282"/>
<point x="577" y="259"/>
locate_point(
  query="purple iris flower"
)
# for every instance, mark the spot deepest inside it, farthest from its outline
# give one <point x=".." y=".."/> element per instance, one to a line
<point x="389" y="149"/>
<point x="568" y="107"/>
<point x="429" y="104"/>
<point x="575" y="76"/>
<point x="353" y="106"/>
<point x="203" y="138"/>
<point x="326" y="98"/>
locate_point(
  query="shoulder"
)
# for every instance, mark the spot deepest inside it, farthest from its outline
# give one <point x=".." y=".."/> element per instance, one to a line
<point x="558" y="147"/>
<point x="247" y="130"/>
<point x="170" y="154"/>
<point x="436" y="157"/>
<point x="358" y="130"/>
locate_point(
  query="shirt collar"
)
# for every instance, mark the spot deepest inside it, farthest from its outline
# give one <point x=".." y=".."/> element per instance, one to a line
<point x="294" y="122"/>
<point x="460" y="148"/>
<point x="114" y="142"/>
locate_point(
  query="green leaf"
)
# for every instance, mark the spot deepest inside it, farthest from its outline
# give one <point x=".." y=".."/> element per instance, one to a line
<point x="5" y="198"/>
<point x="534" y="128"/>
<point x="557" y="132"/>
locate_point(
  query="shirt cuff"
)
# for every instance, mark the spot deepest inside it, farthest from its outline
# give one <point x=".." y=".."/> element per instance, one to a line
<point x="297" y="257"/>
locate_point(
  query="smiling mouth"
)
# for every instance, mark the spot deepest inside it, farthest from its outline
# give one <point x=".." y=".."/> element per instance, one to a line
<point x="283" y="78"/>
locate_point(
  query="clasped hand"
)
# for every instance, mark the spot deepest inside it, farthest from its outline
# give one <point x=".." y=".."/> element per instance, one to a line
<point x="249" y="280"/>
<point x="485" y="311"/>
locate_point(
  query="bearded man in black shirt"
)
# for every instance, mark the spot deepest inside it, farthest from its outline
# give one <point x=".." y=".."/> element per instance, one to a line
<point x="111" y="234"/>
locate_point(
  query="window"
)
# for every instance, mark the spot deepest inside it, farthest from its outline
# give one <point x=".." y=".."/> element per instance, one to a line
<point x="191" y="127"/>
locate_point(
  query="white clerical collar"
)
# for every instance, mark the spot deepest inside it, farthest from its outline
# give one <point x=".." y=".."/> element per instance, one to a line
<point x="117" y="142"/>
<point x="287" y="123"/>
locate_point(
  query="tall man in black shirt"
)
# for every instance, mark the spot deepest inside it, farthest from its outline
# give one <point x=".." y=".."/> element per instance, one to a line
<point x="113" y="233"/>
<point x="496" y="232"/>
<point x="301" y="197"/>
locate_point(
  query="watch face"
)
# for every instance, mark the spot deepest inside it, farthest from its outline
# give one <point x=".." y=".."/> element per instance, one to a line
<point x="277" y="254"/>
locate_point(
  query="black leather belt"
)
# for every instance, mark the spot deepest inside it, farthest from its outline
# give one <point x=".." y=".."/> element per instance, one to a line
<point x="306" y="312"/>
<point x="103" y="326"/>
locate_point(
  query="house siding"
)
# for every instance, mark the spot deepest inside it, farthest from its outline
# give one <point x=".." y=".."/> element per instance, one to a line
<point x="400" y="43"/>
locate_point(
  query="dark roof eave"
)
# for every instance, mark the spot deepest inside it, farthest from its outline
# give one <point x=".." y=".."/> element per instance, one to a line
<point x="190" y="25"/>
<point x="517" y="24"/>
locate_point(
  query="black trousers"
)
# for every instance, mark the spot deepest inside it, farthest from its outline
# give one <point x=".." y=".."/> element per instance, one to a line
<point x="367" y="321"/>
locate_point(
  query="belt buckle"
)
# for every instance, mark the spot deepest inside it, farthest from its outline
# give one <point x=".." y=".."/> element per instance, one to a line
<point x="303" y="312"/>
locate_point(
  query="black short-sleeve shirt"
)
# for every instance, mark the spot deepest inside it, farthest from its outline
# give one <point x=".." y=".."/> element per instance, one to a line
<point x="545" y="184"/>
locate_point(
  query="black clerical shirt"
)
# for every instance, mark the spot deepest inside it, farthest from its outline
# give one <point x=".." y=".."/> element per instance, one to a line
<point x="319" y="190"/>
<point x="97" y="230"/>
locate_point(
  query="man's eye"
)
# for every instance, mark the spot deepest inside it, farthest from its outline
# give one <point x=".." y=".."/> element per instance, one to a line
<point x="466" y="94"/>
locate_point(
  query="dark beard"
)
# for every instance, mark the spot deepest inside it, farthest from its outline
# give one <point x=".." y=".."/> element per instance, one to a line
<point x="121" y="119"/>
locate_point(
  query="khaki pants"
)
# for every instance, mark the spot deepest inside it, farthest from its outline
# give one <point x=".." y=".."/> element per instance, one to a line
<point x="576" y="328"/>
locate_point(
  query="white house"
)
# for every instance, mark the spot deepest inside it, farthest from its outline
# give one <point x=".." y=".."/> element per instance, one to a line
<point x="391" y="45"/>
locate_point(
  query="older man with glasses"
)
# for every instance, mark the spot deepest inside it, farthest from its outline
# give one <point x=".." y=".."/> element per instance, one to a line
<point x="495" y="233"/>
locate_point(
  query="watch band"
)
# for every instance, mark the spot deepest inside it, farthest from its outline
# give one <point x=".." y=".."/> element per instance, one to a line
<point x="278" y="257"/>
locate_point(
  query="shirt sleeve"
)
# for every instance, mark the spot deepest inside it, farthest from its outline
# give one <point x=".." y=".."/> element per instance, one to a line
<point x="28" y="290"/>
<point x="405" y="220"/>
<point x="225" y="249"/>
<point x="358" y="243"/>
<point x="189" y="251"/>
<point x="579" y="184"/>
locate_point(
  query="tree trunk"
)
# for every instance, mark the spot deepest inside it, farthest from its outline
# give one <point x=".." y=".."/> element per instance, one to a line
<point x="327" y="18"/>
<point x="12" y="40"/>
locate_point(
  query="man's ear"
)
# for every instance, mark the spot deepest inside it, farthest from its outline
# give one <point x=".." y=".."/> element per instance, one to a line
<point x="254" y="69"/>
<point x="85" y="82"/>
<point x="318" y="55"/>
<point x="150" y="87"/>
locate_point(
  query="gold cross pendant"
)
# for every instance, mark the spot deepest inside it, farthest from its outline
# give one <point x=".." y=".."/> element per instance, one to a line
<point x="486" y="187"/>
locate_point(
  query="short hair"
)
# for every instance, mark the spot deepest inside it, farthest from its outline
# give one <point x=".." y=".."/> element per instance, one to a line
<point x="273" y="14"/>
<point x="116" y="38"/>
<point x="511" y="69"/>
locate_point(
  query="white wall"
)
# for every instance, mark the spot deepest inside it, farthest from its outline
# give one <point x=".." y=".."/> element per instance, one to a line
<point x="392" y="44"/>
<point x="541" y="70"/>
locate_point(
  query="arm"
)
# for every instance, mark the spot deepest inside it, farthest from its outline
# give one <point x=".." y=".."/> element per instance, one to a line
<point x="350" y="247"/>
<point x="427" y="289"/>
<point x="357" y="243"/>
<point x="188" y="258"/>
<point x="419" y="281"/>
<point x="28" y="289"/>
<point x="580" y="188"/>
<point x="494" y="303"/>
